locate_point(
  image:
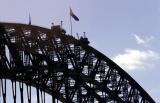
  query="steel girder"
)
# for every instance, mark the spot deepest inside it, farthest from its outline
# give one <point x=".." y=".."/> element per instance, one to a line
<point x="65" y="67"/>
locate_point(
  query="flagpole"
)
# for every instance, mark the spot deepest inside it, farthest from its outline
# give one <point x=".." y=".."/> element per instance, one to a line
<point x="71" y="24"/>
<point x="75" y="18"/>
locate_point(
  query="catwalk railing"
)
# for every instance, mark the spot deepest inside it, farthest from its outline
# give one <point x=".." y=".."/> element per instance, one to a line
<point x="66" y="68"/>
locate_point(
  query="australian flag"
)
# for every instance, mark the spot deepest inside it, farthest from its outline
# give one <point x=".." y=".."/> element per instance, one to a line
<point x="73" y="15"/>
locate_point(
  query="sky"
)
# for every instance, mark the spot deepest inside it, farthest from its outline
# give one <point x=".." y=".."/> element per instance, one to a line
<point x="126" y="31"/>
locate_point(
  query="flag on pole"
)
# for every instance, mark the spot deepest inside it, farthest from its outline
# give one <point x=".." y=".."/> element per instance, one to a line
<point x="73" y="15"/>
<point x="29" y="19"/>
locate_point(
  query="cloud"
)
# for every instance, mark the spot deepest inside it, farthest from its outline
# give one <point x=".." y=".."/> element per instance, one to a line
<point x="133" y="59"/>
<point x="139" y="40"/>
<point x="143" y="41"/>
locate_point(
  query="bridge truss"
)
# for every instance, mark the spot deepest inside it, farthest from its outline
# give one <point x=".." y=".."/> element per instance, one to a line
<point x="66" y="68"/>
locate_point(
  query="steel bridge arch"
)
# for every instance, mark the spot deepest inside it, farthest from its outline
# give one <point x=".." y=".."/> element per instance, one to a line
<point x="65" y="67"/>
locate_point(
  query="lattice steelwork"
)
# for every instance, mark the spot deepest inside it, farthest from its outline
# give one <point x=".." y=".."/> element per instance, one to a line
<point x="68" y="69"/>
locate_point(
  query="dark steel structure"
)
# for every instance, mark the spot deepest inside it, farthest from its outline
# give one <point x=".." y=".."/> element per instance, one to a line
<point x="67" y="68"/>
